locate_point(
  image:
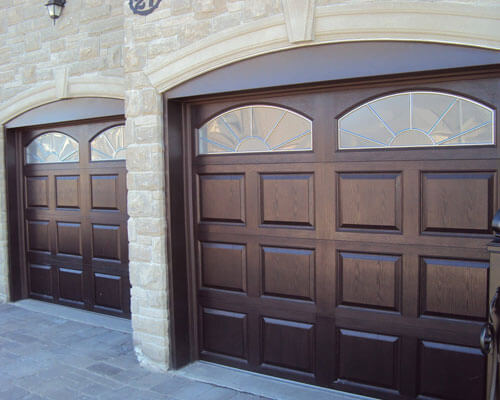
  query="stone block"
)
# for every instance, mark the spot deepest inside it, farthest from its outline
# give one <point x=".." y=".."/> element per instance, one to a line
<point x="139" y="158"/>
<point x="139" y="253"/>
<point x="32" y="41"/>
<point x="139" y="203"/>
<point x="147" y="275"/>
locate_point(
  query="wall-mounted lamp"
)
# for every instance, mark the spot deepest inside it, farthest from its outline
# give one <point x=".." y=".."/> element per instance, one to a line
<point x="55" y="7"/>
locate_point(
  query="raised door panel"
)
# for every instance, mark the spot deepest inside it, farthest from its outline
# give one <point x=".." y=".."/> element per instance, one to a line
<point x="37" y="191"/>
<point x="69" y="238"/>
<point x="368" y="358"/>
<point x="224" y="333"/>
<point x="67" y="191"/>
<point x="451" y="372"/>
<point x="453" y="288"/>
<point x="288" y="344"/>
<point x="38" y="236"/>
<point x="71" y="286"/>
<point x="369" y="201"/>
<point x="221" y="198"/>
<point x="106" y="242"/>
<point x="108" y="292"/>
<point x="223" y="266"/>
<point x="40" y="281"/>
<point x="287" y="199"/>
<point x="288" y="272"/>
<point x="457" y="202"/>
<point x="104" y="192"/>
<point x="369" y="280"/>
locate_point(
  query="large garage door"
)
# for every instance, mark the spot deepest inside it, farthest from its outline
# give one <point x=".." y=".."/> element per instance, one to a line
<point x="340" y="234"/>
<point x="76" y="216"/>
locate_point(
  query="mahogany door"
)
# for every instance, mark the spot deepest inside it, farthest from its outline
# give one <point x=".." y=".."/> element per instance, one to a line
<point x="75" y="210"/>
<point x="361" y="264"/>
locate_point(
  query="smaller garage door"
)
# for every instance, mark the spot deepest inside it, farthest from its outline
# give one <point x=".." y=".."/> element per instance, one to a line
<point x="75" y="212"/>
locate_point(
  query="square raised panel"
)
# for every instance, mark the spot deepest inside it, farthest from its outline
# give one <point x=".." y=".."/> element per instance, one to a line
<point x="457" y="202"/>
<point x="69" y="238"/>
<point x="221" y="198"/>
<point x="451" y="372"/>
<point x="108" y="291"/>
<point x="368" y="358"/>
<point x="67" y="191"/>
<point x="287" y="199"/>
<point x="288" y="344"/>
<point x="37" y="191"/>
<point x="288" y="272"/>
<point x="369" y="280"/>
<point x="224" y="333"/>
<point x="369" y="200"/>
<point x="106" y="241"/>
<point x="71" y="285"/>
<point x="104" y="191"/>
<point x="40" y="279"/>
<point x="38" y="235"/>
<point x="223" y="266"/>
<point x="453" y="288"/>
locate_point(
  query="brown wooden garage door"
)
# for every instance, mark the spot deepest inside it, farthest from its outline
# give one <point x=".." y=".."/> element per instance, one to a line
<point x="75" y="211"/>
<point x="361" y="264"/>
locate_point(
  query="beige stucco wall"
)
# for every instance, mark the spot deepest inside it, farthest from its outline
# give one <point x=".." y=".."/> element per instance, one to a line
<point x="99" y="48"/>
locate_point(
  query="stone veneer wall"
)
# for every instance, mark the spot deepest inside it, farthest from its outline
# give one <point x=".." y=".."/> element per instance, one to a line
<point x="182" y="39"/>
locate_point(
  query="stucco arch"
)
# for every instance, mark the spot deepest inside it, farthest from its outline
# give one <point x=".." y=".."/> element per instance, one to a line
<point x="58" y="90"/>
<point x="418" y="21"/>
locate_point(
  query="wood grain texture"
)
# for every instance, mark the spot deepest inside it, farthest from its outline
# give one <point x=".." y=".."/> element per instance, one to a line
<point x="457" y="202"/>
<point x="369" y="201"/>
<point x="369" y="280"/>
<point x="37" y="191"/>
<point x="224" y="332"/>
<point x="68" y="191"/>
<point x="222" y="198"/>
<point x="454" y="288"/>
<point x="368" y="358"/>
<point x="451" y="372"/>
<point x="223" y="265"/>
<point x="288" y="344"/>
<point x="287" y="199"/>
<point x="104" y="192"/>
<point x="288" y="272"/>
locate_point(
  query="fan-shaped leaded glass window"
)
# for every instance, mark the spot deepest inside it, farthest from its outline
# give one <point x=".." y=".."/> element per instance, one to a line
<point x="52" y="147"/>
<point x="255" y="129"/>
<point x="412" y="119"/>
<point x="109" y="145"/>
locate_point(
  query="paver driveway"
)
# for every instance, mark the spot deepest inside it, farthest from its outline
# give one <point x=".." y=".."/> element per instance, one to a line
<point x="48" y="357"/>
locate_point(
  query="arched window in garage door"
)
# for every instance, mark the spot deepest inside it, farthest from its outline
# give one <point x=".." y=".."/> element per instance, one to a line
<point x="416" y="119"/>
<point x="52" y="147"/>
<point x="255" y="128"/>
<point x="109" y="145"/>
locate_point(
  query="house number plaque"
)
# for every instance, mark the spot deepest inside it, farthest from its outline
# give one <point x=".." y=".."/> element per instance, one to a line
<point x="144" y="7"/>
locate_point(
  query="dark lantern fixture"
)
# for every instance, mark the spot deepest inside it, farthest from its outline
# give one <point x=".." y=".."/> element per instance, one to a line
<point x="55" y="7"/>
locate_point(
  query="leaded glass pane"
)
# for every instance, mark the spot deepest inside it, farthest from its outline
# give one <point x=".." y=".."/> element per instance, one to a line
<point x="109" y="145"/>
<point x="255" y="129"/>
<point x="52" y="147"/>
<point x="413" y="119"/>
